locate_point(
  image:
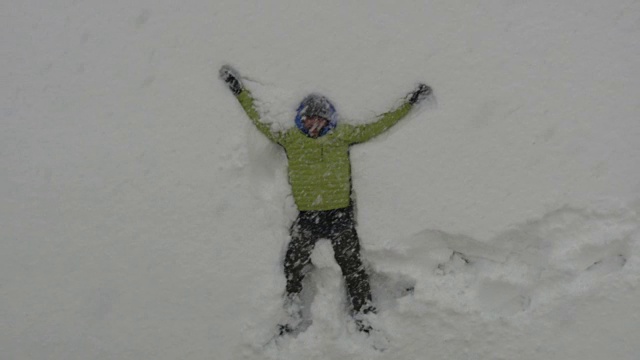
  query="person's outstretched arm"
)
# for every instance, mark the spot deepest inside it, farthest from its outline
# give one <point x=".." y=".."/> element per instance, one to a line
<point x="362" y="133"/>
<point x="232" y="78"/>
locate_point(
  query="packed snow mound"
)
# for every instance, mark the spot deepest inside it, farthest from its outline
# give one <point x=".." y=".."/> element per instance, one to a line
<point x="462" y="295"/>
<point x="565" y="253"/>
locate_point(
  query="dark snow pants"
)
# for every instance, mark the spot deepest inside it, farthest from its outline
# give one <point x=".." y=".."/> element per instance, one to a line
<point x="339" y="227"/>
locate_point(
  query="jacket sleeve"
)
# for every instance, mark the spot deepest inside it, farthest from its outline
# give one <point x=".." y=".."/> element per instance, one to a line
<point x="361" y="133"/>
<point x="247" y="103"/>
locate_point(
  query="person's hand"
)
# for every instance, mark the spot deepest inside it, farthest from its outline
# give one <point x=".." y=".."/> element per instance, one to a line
<point x="419" y="94"/>
<point x="231" y="77"/>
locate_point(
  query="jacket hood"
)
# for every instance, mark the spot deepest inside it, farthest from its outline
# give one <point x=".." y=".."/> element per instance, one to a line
<point x="316" y="105"/>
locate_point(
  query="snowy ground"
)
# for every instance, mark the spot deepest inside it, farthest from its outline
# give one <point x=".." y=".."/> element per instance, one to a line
<point x="143" y="217"/>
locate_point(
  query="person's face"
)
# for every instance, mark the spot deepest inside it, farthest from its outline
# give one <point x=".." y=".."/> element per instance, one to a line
<point x="314" y="125"/>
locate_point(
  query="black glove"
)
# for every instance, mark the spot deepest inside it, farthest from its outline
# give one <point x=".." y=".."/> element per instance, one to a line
<point x="419" y="94"/>
<point x="231" y="77"/>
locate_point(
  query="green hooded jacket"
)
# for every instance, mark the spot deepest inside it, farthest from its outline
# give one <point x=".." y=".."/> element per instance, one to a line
<point x="319" y="168"/>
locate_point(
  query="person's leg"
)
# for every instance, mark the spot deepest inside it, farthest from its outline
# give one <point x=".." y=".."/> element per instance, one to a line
<point x="297" y="258"/>
<point x="298" y="255"/>
<point x="346" y="247"/>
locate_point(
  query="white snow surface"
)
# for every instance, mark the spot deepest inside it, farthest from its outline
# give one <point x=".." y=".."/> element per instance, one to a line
<point x="144" y="217"/>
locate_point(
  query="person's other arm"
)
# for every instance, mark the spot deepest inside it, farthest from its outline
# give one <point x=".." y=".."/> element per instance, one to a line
<point x="232" y="79"/>
<point x="361" y="133"/>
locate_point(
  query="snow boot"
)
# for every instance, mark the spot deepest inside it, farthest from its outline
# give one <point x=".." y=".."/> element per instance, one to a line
<point x="293" y="322"/>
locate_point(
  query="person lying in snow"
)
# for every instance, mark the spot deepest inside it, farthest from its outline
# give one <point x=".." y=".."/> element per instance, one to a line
<point x="320" y="175"/>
